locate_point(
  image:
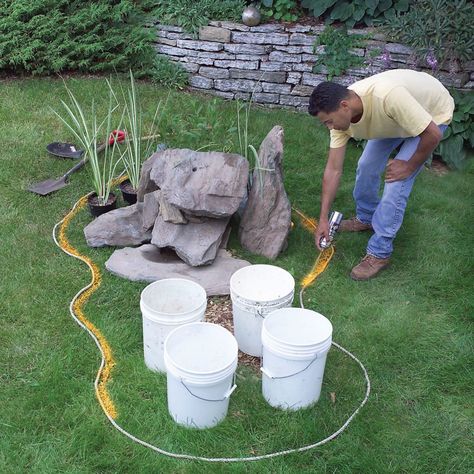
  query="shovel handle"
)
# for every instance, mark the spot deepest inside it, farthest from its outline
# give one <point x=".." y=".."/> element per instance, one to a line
<point x="81" y="163"/>
<point x="102" y="147"/>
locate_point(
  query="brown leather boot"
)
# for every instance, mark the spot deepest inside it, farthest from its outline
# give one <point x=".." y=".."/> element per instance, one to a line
<point x="353" y="225"/>
<point x="369" y="267"/>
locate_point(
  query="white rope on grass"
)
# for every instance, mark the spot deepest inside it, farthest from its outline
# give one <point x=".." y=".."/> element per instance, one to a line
<point x="190" y="456"/>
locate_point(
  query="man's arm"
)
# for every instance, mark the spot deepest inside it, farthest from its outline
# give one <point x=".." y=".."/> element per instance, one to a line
<point x="399" y="169"/>
<point x="332" y="175"/>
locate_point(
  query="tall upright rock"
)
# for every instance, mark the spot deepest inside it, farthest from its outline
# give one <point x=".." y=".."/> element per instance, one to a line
<point x="266" y="220"/>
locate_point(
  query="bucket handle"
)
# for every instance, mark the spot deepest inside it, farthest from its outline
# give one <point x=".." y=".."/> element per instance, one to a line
<point x="226" y="395"/>
<point x="269" y="375"/>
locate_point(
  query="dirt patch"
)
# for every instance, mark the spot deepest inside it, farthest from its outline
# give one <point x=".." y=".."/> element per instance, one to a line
<point x="439" y="167"/>
<point x="219" y="311"/>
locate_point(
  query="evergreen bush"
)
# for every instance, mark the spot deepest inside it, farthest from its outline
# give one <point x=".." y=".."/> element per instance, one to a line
<point x="50" y="36"/>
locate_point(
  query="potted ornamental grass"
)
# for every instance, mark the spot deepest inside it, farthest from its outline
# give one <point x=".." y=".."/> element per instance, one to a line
<point x="138" y="147"/>
<point x="94" y="138"/>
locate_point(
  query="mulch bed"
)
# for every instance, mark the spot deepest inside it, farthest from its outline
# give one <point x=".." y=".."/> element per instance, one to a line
<point x="219" y="311"/>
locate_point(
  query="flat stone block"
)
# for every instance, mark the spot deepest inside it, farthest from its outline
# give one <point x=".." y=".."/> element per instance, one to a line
<point x="251" y="57"/>
<point x="284" y="57"/>
<point x="201" y="82"/>
<point x="304" y="91"/>
<point x="242" y="85"/>
<point x="176" y="29"/>
<point x="294" y="101"/>
<point x="149" y="263"/>
<point x="224" y="95"/>
<point x="170" y="50"/>
<point x="267" y="76"/>
<point x="301" y="39"/>
<point x="275" y="66"/>
<point x="213" y="33"/>
<point x="200" y="45"/>
<point x="310" y="79"/>
<point x="166" y="41"/>
<point x="294" y="78"/>
<point x="295" y="49"/>
<point x="252" y="49"/>
<point x="190" y="67"/>
<point x="276" y="88"/>
<point x="268" y="28"/>
<point x="230" y="25"/>
<point x="260" y="38"/>
<point x="302" y="67"/>
<point x="237" y="64"/>
<point x="220" y="55"/>
<point x="214" y="72"/>
<point x="265" y="98"/>
<point x="398" y="48"/>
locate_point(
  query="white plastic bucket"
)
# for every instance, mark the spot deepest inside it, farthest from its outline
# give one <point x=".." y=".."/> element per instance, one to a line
<point x="295" y="345"/>
<point x="256" y="291"/>
<point x="200" y="360"/>
<point x="166" y="304"/>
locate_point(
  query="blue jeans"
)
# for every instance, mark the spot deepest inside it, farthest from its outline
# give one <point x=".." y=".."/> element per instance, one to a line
<point x="384" y="213"/>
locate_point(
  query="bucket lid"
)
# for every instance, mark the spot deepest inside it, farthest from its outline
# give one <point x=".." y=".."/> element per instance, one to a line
<point x="200" y="349"/>
<point x="262" y="283"/>
<point x="297" y="328"/>
<point x="173" y="296"/>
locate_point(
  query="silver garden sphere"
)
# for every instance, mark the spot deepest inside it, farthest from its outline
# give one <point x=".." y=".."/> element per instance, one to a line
<point x="251" y="16"/>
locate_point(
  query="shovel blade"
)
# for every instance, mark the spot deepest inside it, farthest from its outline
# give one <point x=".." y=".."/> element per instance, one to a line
<point x="49" y="186"/>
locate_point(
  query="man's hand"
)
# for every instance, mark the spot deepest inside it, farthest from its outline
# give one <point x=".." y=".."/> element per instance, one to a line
<point x="398" y="170"/>
<point x="321" y="231"/>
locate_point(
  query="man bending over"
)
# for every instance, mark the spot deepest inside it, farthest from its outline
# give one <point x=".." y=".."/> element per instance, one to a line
<point x="398" y="108"/>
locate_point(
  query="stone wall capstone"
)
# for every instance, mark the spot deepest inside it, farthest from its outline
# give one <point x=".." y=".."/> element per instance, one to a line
<point x="275" y="61"/>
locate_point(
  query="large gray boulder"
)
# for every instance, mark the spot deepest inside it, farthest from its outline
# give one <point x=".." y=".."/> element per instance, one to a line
<point x="196" y="243"/>
<point x="119" y="227"/>
<point x="146" y="185"/>
<point x="148" y="263"/>
<point x="266" y="220"/>
<point x="209" y="184"/>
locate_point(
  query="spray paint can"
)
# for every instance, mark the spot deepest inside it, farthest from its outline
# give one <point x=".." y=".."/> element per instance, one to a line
<point x="334" y="221"/>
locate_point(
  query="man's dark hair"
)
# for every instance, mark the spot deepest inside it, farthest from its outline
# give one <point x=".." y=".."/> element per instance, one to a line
<point x="326" y="97"/>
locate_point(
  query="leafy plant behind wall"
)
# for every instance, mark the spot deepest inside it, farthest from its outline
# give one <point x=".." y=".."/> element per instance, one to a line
<point x="284" y="10"/>
<point x="191" y="15"/>
<point x="337" y="57"/>
<point x="355" y="11"/>
<point x="458" y="141"/>
<point x="436" y="29"/>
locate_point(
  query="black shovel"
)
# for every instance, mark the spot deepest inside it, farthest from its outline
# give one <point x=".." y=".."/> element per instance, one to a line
<point x="51" y="185"/>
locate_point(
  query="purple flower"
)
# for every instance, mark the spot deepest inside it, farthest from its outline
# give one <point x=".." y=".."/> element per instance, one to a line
<point x="386" y="58"/>
<point x="431" y="60"/>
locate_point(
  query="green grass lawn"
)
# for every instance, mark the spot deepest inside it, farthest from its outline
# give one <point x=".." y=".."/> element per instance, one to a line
<point x="411" y="327"/>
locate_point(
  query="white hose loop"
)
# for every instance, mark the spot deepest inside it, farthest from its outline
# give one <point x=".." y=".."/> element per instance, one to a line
<point x="189" y="456"/>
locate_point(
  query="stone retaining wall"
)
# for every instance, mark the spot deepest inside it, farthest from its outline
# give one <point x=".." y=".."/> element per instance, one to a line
<point x="275" y="61"/>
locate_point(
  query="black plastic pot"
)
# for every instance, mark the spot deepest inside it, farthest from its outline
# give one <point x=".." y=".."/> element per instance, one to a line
<point x="96" y="209"/>
<point x="128" y="192"/>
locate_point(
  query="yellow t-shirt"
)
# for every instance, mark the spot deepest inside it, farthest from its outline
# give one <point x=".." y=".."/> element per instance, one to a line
<point x="397" y="103"/>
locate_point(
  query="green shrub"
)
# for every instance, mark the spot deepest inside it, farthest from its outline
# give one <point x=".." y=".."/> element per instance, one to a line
<point x="458" y="141"/>
<point x="48" y="36"/>
<point x="191" y="15"/>
<point x="283" y="10"/>
<point x="337" y="57"/>
<point x="356" y="11"/>
<point x="438" y="30"/>
<point x="168" y="73"/>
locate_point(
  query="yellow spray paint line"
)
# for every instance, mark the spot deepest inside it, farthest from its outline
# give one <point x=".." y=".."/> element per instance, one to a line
<point x="324" y="257"/>
<point x="105" y="370"/>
